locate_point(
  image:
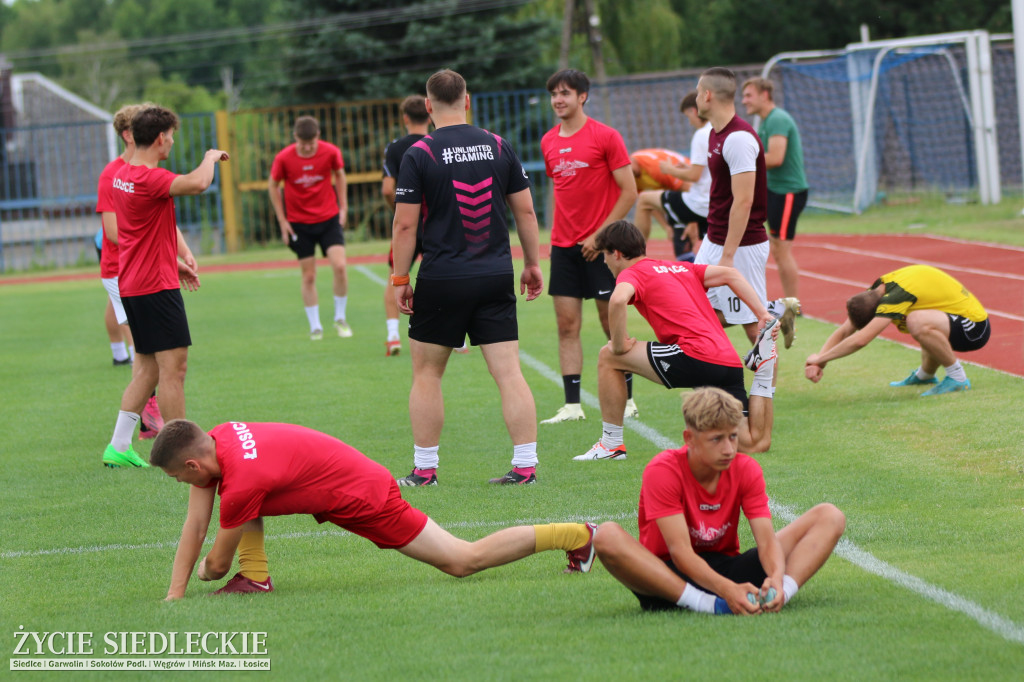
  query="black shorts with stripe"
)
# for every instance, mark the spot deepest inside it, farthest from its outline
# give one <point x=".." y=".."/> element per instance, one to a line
<point x="739" y="568"/>
<point x="967" y="335"/>
<point x="783" y="212"/>
<point x="676" y="369"/>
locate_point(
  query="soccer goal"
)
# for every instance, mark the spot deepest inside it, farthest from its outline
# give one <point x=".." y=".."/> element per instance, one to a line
<point x="892" y="117"/>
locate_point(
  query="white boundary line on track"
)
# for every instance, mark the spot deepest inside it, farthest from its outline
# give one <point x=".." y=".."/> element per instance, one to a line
<point x="901" y="259"/>
<point x="1000" y="625"/>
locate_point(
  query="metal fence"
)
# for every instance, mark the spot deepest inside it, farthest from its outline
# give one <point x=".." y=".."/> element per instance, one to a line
<point x="48" y="192"/>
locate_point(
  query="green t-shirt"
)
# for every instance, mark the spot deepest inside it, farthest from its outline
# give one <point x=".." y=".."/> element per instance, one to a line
<point x="790" y="176"/>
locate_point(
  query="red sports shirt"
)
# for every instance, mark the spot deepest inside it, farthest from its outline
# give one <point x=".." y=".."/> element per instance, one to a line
<point x="147" y="234"/>
<point x="272" y="469"/>
<point x="669" y="488"/>
<point x="672" y="298"/>
<point x="105" y="204"/>
<point x="581" y="167"/>
<point x="309" y="196"/>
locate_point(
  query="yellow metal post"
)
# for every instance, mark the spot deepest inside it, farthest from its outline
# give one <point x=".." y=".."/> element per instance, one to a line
<point x="228" y="193"/>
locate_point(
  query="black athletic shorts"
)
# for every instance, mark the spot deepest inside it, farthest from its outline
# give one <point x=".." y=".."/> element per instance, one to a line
<point x="676" y="369"/>
<point x="308" y="235"/>
<point x="783" y="211"/>
<point x="965" y="335"/>
<point x="681" y="215"/>
<point x="157" y="321"/>
<point x="574" y="276"/>
<point x="445" y="310"/>
<point x="740" y="568"/>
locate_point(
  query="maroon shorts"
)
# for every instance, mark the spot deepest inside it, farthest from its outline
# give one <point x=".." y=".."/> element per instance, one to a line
<point x="395" y="525"/>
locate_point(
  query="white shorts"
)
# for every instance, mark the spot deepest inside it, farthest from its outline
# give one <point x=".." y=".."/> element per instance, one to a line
<point x="110" y="284"/>
<point x="751" y="261"/>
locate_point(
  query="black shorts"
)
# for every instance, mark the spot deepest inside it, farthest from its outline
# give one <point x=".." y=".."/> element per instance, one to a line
<point x="783" y="211"/>
<point x="676" y="369"/>
<point x="307" y="236"/>
<point x="445" y="310"/>
<point x="157" y="321"/>
<point x="575" y="277"/>
<point x="681" y="215"/>
<point x="740" y="568"/>
<point x="966" y="335"/>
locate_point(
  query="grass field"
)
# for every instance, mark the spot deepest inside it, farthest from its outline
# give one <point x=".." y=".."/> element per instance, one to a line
<point x="932" y="489"/>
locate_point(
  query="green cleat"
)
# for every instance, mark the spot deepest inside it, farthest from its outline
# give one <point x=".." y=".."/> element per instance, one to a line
<point x="116" y="460"/>
<point x="912" y="380"/>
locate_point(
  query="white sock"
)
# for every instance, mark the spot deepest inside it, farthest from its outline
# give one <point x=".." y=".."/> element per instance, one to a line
<point x="524" y="455"/>
<point x="131" y="352"/>
<point x="923" y="375"/>
<point x="425" y="458"/>
<point x="789" y="588"/>
<point x="124" y="429"/>
<point x="313" y="313"/>
<point x="956" y="372"/>
<point x="119" y="351"/>
<point x="392" y="323"/>
<point x="340" y="303"/>
<point x="696" y="600"/>
<point x="766" y="371"/>
<point x="611" y="435"/>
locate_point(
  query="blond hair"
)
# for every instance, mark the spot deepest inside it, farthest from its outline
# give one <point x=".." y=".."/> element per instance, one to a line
<point x="709" y="408"/>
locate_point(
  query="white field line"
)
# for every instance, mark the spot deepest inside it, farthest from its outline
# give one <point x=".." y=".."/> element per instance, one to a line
<point x="1003" y="627"/>
<point x="903" y="259"/>
<point x="998" y="624"/>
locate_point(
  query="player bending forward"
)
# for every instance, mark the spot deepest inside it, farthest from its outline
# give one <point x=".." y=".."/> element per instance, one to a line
<point x="688" y="555"/>
<point x="278" y="469"/>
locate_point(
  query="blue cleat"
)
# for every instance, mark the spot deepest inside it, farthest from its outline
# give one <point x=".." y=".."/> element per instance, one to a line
<point x="722" y="607"/>
<point x="948" y="385"/>
<point x="912" y="380"/>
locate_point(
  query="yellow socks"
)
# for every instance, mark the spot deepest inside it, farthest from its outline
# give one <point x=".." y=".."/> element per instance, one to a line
<point x="252" y="557"/>
<point x="567" y="536"/>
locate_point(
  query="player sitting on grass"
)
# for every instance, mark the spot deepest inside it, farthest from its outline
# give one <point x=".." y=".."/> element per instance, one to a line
<point x="688" y="555"/>
<point x="924" y="302"/>
<point x="692" y="348"/>
<point x="277" y="469"/>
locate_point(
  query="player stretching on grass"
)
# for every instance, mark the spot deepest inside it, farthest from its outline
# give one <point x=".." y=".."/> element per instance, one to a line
<point x="692" y="348"/>
<point x="688" y="555"/>
<point x="921" y="301"/>
<point x="278" y="469"/>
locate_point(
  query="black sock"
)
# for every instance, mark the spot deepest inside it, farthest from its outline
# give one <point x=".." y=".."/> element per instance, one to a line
<point x="629" y="385"/>
<point x="571" y="385"/>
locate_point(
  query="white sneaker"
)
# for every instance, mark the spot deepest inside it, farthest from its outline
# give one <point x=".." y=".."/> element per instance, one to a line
<point x="599" y="451"/>
<point x="631" y="409"/>
<point x="570" y="412"/>
<point x="316" y="335"/>
<point x="764" y="348"/>
<point x="344" y="331"/>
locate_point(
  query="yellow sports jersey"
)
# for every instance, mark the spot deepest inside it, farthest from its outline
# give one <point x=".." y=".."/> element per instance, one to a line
<point x="922" y="287"/>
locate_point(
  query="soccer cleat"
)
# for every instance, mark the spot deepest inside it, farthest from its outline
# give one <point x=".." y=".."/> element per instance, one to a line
<point x="414" y="479"/>
<point x="344" y="331"/>
<point x="462" y="350"/>
<point x="393" y="348"/>
<point x="146" y="434"/>
<point x="512" y="478"/>
<point x="764" y="348"/>
<point x="570" y="412"/>
<point x="239" y="584"/>
<point x="722" y="607"/>
<point x="948" y="385"/>
<point x="581" y="560"/>
<point x="316" y="335"/>
<point x="631" y="409"/>
<point x="116" y="460"/>
<point x="787" y="321"/>
<point x="599" y="451"/>
<point x="151" y="417"/>
<point x="913" y="380"/>
<point x="122" y="363"/>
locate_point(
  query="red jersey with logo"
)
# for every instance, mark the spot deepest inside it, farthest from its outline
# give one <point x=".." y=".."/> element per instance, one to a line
<point x="581" y="167"/>
<point x="309" y="196"/>
<point x="732" y="150"/>
<point x="147" y="230"/>
<point x="669" y="488"/>
<point x="105" y="204"/>
<point x="672" y="297"/>
<point x="272" y="469"/>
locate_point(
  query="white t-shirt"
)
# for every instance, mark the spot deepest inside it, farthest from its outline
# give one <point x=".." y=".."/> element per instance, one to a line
<point x="740" y="152"/>
<point x="696" y="198"/>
